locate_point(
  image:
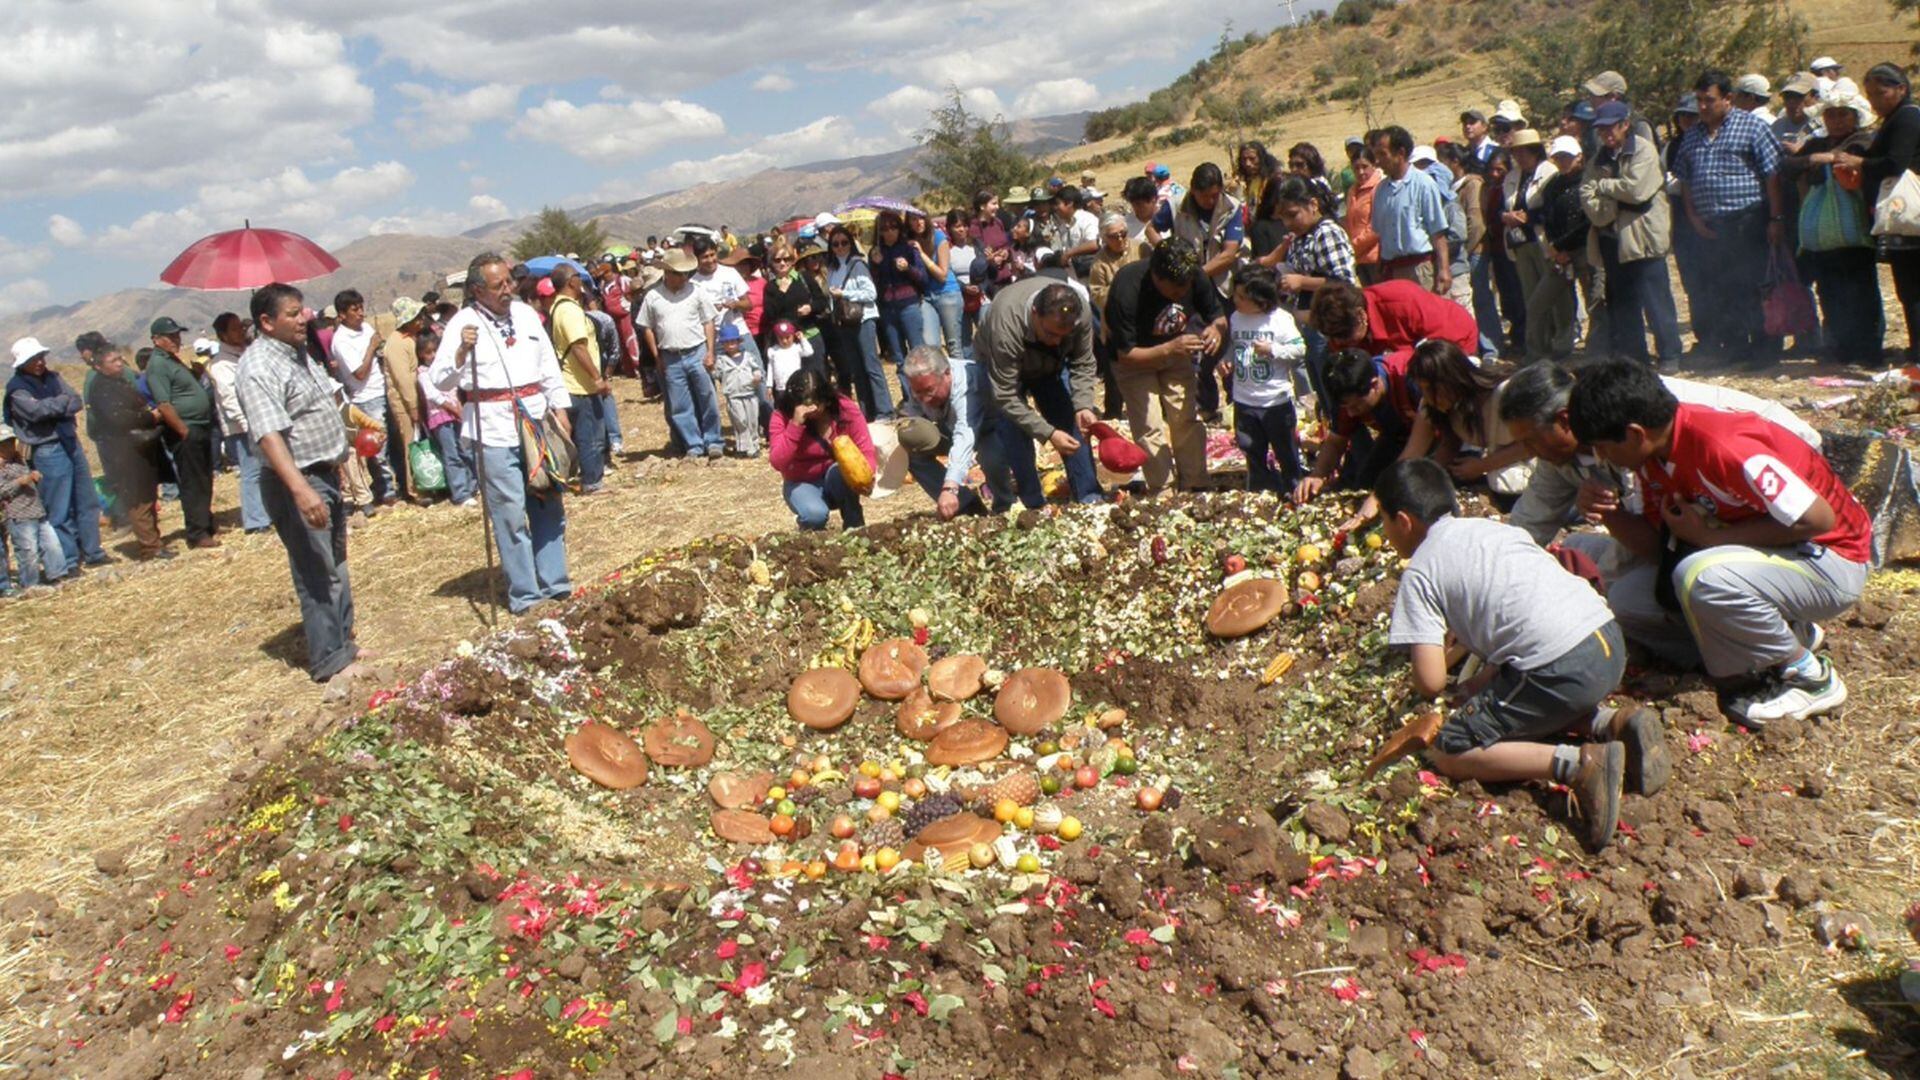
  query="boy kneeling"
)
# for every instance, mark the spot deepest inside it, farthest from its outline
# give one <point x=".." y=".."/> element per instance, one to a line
<point x="1551" y="648"/>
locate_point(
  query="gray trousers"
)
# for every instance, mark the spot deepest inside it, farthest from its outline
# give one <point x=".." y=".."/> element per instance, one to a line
<point x="318" y="558"/>
<point x="744" y="414"/>
<point x="1740" y="601"/>
<point x="1630" y="581"/>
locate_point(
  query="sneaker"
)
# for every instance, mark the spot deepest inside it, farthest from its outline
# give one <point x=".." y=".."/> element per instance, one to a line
<point x="715" y="453"/>
<point x="1789" y="697"/>
<point x="1596" y="792"/>
<point x="1639" y="731"/>
<point x="617" y="448"/>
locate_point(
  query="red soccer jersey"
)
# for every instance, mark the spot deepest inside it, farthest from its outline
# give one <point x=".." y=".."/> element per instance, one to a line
<point x="1401" y="314"/>
<point x="1398" y="406"/>
<point x="1737" y="465"/>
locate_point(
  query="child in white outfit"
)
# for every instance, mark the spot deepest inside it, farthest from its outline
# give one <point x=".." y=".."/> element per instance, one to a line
<point x="740" y="381"/>
<point x="789" y="349"/>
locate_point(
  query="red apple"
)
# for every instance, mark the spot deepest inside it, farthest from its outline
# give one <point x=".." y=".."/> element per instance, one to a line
<point x="1086" y="776"/>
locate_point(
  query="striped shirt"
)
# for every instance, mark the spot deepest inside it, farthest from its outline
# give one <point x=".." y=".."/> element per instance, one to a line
<point x="1726" y="171"/>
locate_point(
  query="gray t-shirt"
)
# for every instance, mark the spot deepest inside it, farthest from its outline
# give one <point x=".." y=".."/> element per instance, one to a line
<point x="1502" y="595"/>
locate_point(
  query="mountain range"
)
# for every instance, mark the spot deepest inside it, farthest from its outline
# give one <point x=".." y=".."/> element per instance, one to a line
<point x="385" y="266"/>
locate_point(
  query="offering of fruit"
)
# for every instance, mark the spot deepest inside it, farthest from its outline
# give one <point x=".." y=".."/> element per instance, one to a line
<point x="1070" y="828"/>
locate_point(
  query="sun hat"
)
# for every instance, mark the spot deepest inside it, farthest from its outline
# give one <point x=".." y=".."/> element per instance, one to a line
<point x="1563" y="144"/>
<point x="825" y="220"/>
<point x="679" y="262"/>
<point x="737" y="255"/>
<point x="1040" y="194"/>
<point x="1607" y="82"/>
<point x="1754" y="84"/>
<point x="807" y="249"/>
<point x="1523" y="137"/>
<point x="205" y="346"/>
<point x="406" y="309"/>
<point x="1862" y="111"/>
<point x="1822" y="63"/>
<point x="5" y="433"/>
<point x="1016" y="196"/>
<point x="1422" y="153"/>
<point x="26" y="349"/>
<point x="165" y="325"/>
<point x="1509" y="111"/>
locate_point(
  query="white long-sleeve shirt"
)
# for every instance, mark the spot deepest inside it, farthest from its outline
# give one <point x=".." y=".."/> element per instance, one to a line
<point x="529" y="360"/>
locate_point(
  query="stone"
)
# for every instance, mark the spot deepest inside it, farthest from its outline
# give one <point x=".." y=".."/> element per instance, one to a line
<point x="1328" y="823"/>
<point x="1843" y="929"/>
<point x="1797" y="890"/>
<point x="1369" y="941"/>
<point x="1752" y="882"/>
<point x="112" y="862"/>
<point x="1360" y="1065"/>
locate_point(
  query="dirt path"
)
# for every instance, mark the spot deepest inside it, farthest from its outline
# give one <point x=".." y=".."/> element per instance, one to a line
<point x="128" y="694"/>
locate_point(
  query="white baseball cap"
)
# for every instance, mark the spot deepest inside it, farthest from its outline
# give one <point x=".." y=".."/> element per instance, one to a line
<point x="205" y="346"/>
<point x="1821" y="63"/>
<point x="1422" y="153"/>
<point x="26" y="349"/>
<point x="1564" y="144"/>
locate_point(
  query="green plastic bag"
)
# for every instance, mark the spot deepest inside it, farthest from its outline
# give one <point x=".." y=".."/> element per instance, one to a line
<point x="429" y="475"/>
<point x="1833" y="218"/>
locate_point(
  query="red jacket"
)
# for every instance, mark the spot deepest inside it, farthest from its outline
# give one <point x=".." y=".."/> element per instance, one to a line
<point x="1400" y="314"/>
<point x="801" y="456"/>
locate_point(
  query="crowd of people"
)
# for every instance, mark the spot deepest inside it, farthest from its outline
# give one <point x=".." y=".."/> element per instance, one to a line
<point x="1493" y="310"/>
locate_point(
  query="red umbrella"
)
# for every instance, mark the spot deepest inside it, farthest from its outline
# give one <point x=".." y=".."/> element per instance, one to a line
<point x="247" y="259"/>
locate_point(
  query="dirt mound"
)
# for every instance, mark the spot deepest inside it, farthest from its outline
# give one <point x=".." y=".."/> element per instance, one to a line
<point x="430" y="885"/>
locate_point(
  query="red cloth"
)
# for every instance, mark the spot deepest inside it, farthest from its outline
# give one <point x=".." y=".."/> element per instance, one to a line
<point x="613" y="295"/>
<point x="799" y="455"/>
<point x="1738" y="466"/>
<point x="756" y="292"/>
<point x="1400" y="314"/>
<point x="1580" y="565"/>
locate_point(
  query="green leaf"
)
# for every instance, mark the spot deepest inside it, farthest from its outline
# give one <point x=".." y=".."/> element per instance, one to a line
<point x="995" y="972"/>
<point x="1164" y="933"/>
<point x="552" y="1008"/>
<point x="943" y="1005"/>
<point x="1598" y="1062"/>
<point x="665" y="1028"/>
<point x="795" y="959"/>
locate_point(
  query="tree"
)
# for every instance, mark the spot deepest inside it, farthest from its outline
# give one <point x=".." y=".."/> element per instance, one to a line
<point x="961" y="153"/>
<point x="1909" y="7"/>
<point x="555" y="232"/>
<point x="1659" y="46"/>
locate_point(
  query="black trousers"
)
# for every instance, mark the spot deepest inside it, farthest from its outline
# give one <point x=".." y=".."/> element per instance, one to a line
<point x="1906" y="285"/>
<point x="1848" y="283"/>
<point x="193" y="471"/>
<point x="1734" y="272"/>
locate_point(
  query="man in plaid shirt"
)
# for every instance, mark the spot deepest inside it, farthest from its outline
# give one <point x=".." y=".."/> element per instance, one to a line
<point x="1730" y="165"/>
<point x="293" y="410"/>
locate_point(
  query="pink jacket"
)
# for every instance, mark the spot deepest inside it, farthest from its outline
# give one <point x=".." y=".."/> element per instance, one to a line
<point x="802" y="457"/>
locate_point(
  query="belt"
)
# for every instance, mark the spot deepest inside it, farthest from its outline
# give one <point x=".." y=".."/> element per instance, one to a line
<point x="320" y="468"/>
<point x="1407" y="260"/>
<point x="504" y="393"/>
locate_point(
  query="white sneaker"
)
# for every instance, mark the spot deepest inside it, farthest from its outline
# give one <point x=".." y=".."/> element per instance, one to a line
<point x="1810" y="635"/>
<point x="1788" y="697"/>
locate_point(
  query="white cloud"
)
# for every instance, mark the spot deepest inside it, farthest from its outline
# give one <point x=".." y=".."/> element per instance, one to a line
<point x="909" y="108"/>
<point x="20" y="259"/>
<point x="128" y="93"/>
<point x="65" y="231"/>
<point x="773" y="82"/>
<point x="825" y="138"/>
<point x="608" y="133"/>
<point x="25" y="294"/>
<point x="480" y="210"/>
<point x="446" y="117"/>
<point x="1056" y="96"/>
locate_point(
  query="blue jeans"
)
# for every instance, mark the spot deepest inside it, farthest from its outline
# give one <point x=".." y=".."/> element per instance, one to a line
<point x="530" y="531"/>
<point x="691" y="404"/>
<point x="1639" y="297"/>
<point x="253" y="512"/>
<point x="1314" y="370"/>
<point x="812" y="501"/>
<point x="73" y="507"/>
<point x="1259" y="428"/>
<point x="589" y="439"/>
<point x="904" y="326"/>
<point x="610" y="412"/>
<point x="36" y="548"/>
<point x="1055" y="403"/>
<point x="456" y="459"/>
<point x="943" y="312"/>
<point x="318" y="560"/>
<point x="1486" y="308"/>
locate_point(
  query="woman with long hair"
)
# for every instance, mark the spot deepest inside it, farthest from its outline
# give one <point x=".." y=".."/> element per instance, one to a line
<point x="791" y="296"/>
<point x="900" y="276"/>
<point x="1895" y="151"/>
<point x="809" y="415"/>
<point x="854" y="346"/>
<point x="1459" y="419"/>
<point x="1305" y="159"/>
<point x="1253" y="169"/>
<point x="942" y="307"/>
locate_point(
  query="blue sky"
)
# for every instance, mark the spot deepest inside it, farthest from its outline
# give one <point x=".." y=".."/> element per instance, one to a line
<point x="138" y="126"/>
